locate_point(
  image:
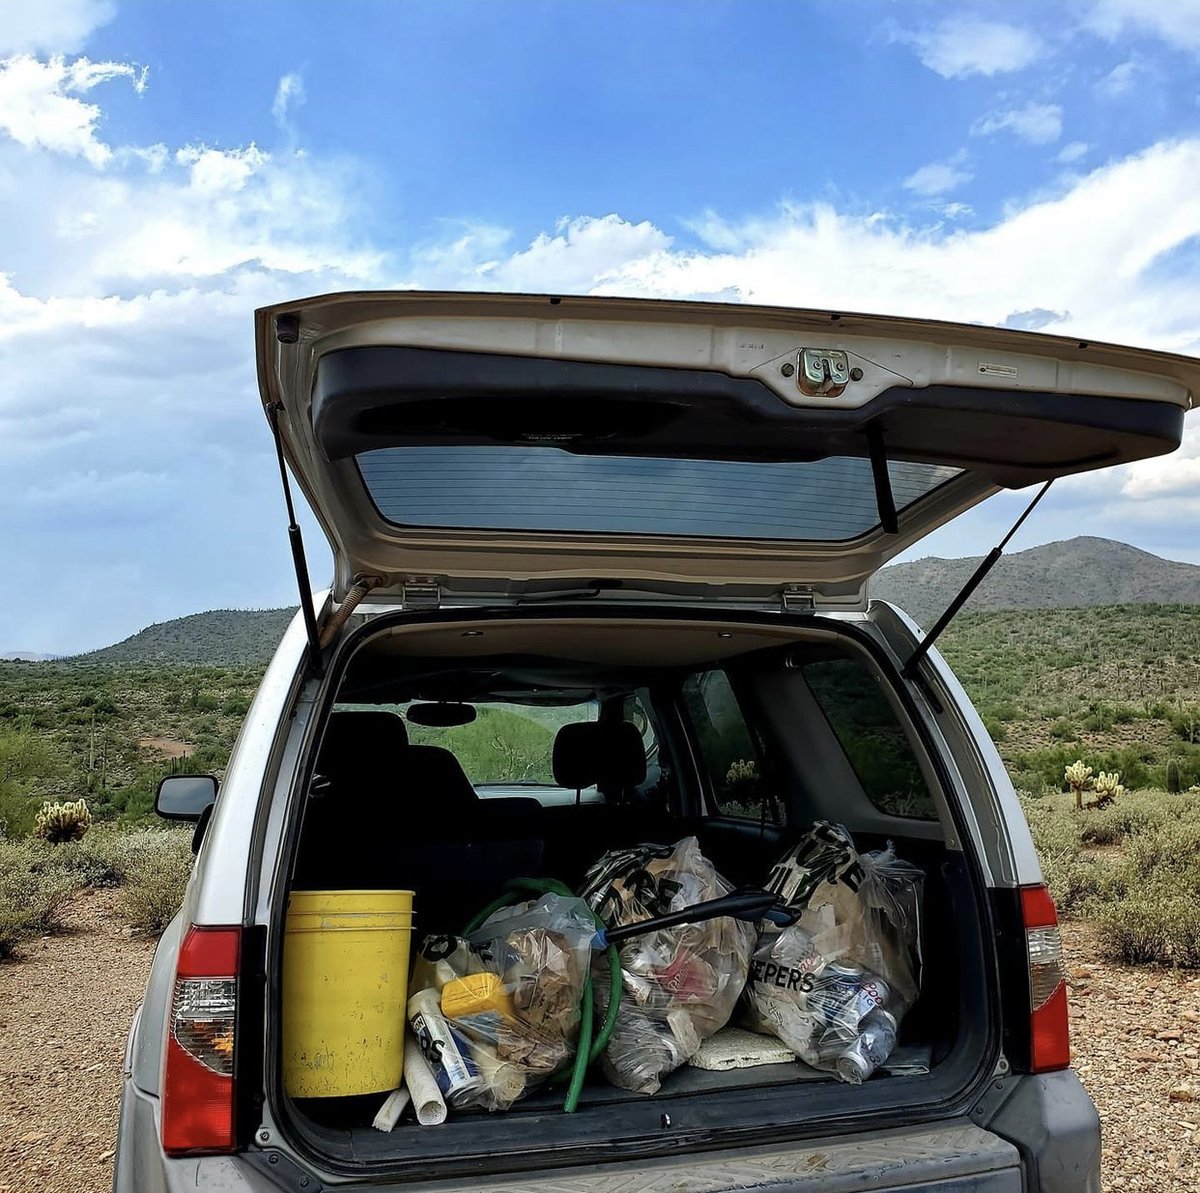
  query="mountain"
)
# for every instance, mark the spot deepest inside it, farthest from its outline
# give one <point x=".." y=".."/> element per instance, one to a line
<point x="1072" y="574"/>
<point x="228" y="637"/>
<point x="25" y="656"/>
<point x="1078" y="572"/>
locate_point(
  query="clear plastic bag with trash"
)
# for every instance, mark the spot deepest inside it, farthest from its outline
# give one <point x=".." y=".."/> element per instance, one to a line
<point x="496" y="1012"/>
<point x="835" y="985"/>
<point x="680" y="983"/>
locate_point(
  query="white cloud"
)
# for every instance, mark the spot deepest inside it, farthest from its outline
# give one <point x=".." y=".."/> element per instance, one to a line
<point x="1176" y="22"/>
<point x="583" y="251"/>
<point x="131" y="437"/>
<point x="1039" y="124"/>
<point x="1176" y="476"/>
<point x="938" y="178"/>
<point x="289" y="94"/>
<point x="1119" y="81"/>
<point x="962" y="46"/>
<point x="955" y="211"/>
<point x="39" y="108"/>
<point x="1085" y="257"/>
<point x="1072" y="152"/>
<point x="50" y="26"/>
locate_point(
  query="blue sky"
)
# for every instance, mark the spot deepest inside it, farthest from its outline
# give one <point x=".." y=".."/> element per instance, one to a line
<point x="165" y="168"/>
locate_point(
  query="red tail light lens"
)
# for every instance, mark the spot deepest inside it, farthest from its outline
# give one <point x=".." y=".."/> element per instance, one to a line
<point x="1050" y="1042"/>
<point x="198" y="1087"/>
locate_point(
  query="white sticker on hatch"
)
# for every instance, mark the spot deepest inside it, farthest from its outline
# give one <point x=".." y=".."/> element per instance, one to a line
<point x="993" y="370"/>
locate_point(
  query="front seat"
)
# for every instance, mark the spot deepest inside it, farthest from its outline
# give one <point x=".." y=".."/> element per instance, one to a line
<point x="611" y="756"/>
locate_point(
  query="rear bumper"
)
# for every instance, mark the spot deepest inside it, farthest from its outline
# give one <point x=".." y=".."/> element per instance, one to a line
<point x="1054" y="1124"/>
<point x="954" y="1157"/>
<point x="1043" y="1138"/>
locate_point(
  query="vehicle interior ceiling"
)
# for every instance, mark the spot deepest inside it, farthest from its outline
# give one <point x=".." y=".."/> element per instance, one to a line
<point x="458" y="759"/>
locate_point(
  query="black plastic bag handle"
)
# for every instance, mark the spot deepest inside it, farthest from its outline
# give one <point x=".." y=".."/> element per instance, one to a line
<point x="748" y="903"/>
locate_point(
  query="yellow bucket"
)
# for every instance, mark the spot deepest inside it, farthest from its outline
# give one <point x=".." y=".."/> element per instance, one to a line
<point x="345" y="989"/>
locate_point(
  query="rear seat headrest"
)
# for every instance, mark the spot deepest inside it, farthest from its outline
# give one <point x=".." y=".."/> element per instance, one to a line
<point x="432" y="778"/>
<point x="356" y="740"/>
<point x="606" y="753"/>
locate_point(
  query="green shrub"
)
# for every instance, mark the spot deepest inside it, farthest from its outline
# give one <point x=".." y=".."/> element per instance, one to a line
<point x="85" y="863"/>
<point x="1031" y="782"/>
<point x="1054" y="829"/>
<point x="154" y="865"/>
<point x="33" y="889"/>
<point x="1131" y="816"/>
<point x="1156" y="923"/>
<point x="997" y="730"/>
<point x="1186" y="723"/>
<point x="1169" y="853"/>
<point x="1074" y="881"/>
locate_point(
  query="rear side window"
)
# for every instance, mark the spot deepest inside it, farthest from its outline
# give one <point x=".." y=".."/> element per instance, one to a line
<point x="730" y="751"/>
<point x="875" y="744"/>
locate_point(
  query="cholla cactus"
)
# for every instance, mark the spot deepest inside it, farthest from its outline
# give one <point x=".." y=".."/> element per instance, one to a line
<point x="1079" y="779"/>
<point x="744" y="770"/>
<point x="63" y="822"/>
<point x="1107" y="787"/>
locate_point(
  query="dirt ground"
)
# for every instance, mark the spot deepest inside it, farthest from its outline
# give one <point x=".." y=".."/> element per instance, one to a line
<point x="165" y="747"/>
<point x="65" y="1007"/>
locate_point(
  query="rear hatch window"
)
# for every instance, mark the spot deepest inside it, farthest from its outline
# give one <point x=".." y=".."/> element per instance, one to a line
<point x="475" y="440"/>
<point x="538" y="488"/>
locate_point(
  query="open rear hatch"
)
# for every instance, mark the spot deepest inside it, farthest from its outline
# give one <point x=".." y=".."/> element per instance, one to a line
<point x="455" y="813"/>
<point x="500" y="448"/>
<point x="503" y="444"/>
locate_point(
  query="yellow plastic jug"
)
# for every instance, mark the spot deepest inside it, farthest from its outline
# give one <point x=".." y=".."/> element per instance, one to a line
<point x="345" y="988"/>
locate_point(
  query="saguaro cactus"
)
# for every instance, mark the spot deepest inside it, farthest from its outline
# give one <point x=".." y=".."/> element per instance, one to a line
<point x="1174" y="779"/>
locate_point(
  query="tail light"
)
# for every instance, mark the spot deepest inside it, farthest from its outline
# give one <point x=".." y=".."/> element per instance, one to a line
<point x="1049" y="1035"/>
<point x="198" y="1108"/>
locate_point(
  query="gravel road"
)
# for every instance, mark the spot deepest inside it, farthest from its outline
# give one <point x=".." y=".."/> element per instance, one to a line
<point x="65" y="1008"/>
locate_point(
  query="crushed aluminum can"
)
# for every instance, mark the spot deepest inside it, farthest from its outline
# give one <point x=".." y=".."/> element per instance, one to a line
<point x="870" y="1050"/>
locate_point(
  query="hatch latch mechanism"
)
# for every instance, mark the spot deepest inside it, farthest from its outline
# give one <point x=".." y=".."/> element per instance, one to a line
<point x="824" y="372"/>
<point x="798" y="599"/>
<point x="421" y="592"/>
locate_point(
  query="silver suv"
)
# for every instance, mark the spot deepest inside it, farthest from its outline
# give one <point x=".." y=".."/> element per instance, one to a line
<point x="600" y="579"/>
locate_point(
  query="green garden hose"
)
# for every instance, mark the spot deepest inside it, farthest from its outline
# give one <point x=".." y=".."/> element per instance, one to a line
<point x="589" y="1047"/>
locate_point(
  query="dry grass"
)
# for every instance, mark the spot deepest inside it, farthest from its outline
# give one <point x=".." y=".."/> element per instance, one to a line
<point x="1133" y="868"/>
<point x="151" y="867"/>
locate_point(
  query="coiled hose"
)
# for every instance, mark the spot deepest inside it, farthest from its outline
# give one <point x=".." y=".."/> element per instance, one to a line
<point x="590" y="1046"/>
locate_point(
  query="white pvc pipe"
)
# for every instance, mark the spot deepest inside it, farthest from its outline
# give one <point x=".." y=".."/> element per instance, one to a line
<point x="390" y="1112"/>
<point x="426" y="1097"/>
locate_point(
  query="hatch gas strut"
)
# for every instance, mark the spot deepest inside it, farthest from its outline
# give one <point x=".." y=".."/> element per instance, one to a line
<point x="297" y="544"/>
<point x="964" y="593"/>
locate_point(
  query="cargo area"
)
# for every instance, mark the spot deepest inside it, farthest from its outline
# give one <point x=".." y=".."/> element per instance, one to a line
<point x="460" y="755"/>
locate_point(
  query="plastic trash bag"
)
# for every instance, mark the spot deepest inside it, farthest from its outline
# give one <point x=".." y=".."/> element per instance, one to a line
<point x="497" y="1012"/>
<point x="680" y="984"/>
<point x="891" y="892"/>
<point x="835" y="985"/>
